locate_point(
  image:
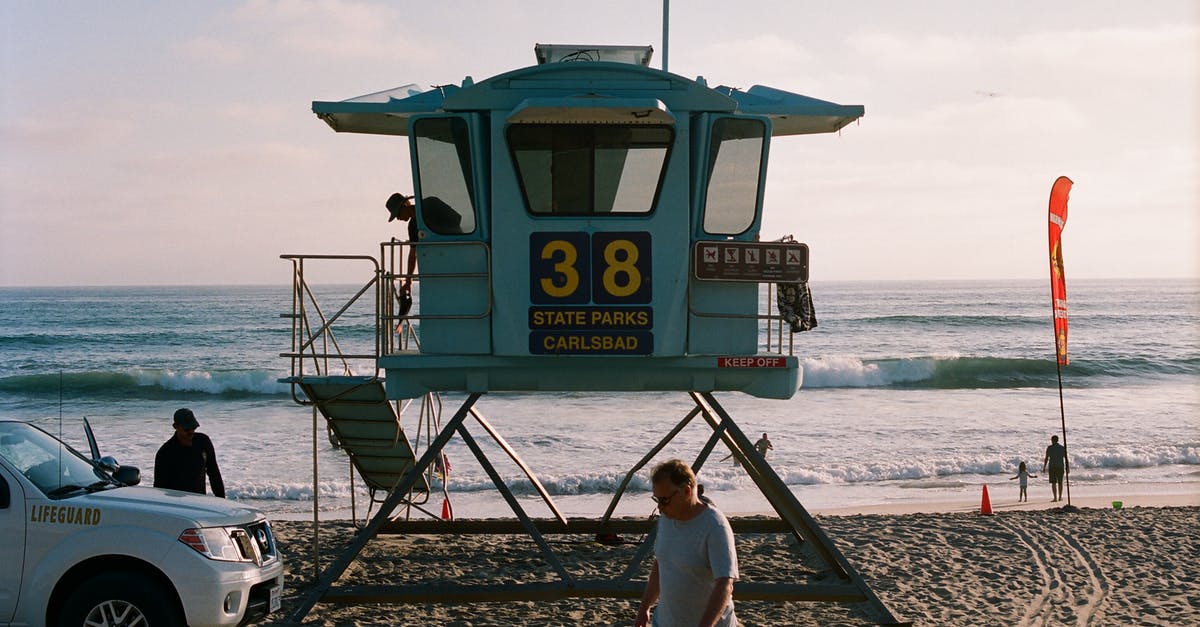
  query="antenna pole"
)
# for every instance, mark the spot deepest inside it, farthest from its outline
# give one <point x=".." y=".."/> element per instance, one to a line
<point x="60" y="412"/>
<point x="666" y="27"/>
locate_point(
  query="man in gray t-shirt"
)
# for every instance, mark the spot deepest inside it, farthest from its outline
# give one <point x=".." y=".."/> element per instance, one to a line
<point x="695" y="563"/>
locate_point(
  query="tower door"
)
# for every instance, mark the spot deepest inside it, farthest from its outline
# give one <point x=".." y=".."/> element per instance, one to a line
<point x="452" y="252"/>
<point x="722" y="315"/>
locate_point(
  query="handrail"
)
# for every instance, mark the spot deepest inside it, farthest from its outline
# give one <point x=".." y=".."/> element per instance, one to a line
<point x="305" y="338"/>
<point x="331" y="320"/>
<point x="315" y="341"/>
<point x="392" y="253"/>
<point x="769" y="317"/>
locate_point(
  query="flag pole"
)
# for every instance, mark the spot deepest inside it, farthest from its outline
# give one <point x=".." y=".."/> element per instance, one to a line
<point x="1062" y="412"/>
<point x="1059" y="193"/>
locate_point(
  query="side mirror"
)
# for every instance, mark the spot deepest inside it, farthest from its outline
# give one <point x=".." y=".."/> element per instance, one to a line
<point x="5" y="497"/>
<point x="128" y="475"/>
<point x="109" y="463"/>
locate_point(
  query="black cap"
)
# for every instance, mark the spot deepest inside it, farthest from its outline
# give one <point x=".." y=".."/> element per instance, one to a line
<point x="394" y="203"/>
<point x="185" y="418"/>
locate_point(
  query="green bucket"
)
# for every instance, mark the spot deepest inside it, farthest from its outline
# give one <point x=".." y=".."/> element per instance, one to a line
<point x="1117" y="504"/>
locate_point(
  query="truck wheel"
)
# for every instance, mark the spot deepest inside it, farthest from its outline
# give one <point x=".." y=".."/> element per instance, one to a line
<point x="120" y="599"/>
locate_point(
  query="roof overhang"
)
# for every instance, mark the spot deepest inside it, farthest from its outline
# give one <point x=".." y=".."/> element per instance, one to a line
<point x="381" y="113"/>
<point x="388" y="112"/>
<point x="793" y="114"/>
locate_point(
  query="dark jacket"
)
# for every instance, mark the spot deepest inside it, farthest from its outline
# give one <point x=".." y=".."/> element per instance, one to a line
<point x="179" y="467"/>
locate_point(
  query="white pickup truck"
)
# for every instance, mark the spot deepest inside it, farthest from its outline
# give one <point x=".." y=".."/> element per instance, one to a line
<point x="80" y="546"/>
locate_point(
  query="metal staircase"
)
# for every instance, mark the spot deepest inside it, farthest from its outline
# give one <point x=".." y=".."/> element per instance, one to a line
<point x="366" y="427"/>
<point x="359" y="417"/>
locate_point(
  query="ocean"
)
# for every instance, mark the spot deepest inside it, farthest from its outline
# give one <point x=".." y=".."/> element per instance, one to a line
<point x="913" y="392"/>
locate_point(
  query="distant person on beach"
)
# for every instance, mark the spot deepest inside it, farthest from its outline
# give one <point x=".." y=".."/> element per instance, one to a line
<point x="695" y="563"/>
<point x="1023" y="475"/>
<point x="401" y="207"/>
<point x="1056" y="457"/>
<point x="762" y="446"/>
<point x="183" y="461"/>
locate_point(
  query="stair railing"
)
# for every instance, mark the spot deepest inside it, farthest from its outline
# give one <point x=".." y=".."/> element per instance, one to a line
<point x="315" y="348"/>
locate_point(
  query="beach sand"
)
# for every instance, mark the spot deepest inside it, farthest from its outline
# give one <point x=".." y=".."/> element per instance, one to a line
<point x="1039" y="565"/>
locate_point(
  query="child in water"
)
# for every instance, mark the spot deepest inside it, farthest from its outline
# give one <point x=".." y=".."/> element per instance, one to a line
<point x="1023" y="475"/>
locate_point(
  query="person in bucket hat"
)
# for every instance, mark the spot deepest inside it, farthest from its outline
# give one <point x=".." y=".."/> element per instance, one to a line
<point x="187" y="458"/>
<point x="401" y="207"/>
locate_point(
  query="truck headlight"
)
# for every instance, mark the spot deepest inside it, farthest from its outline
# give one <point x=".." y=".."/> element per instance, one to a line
<point x="214" y="543"/>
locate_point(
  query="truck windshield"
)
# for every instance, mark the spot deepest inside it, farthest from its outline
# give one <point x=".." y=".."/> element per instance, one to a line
<point x="55" y="468"/>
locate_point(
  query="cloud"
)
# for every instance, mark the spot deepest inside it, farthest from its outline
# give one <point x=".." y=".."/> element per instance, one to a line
<point x="206" y="49"/>
<point x="765" y="59"/>
<point x="63" y="128"/>
<point x="1044" y="63"/>
<point x="1148" y="52"/>
<point x="259" y="113"/>
<point x="995" y="118"/>
<point x="767" y="49"/>
<point x="330" y="28"/>
<point x="916" y="53"/>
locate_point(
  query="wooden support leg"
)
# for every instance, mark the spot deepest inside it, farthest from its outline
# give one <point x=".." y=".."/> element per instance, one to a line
<point x="537" y="485"/>
<point x="530" y="528"/>
<point x="718" y="433"/>
<point x="612" y="506"/>
<point x="718" y="428"/>
<point x="792" y="511"/>
<point x="335" y="569"/>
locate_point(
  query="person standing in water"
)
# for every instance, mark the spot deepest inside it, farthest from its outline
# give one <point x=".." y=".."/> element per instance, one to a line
<point x="762" y="446"/>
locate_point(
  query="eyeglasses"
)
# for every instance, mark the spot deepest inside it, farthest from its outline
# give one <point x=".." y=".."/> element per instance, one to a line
<point x="664" y="501"/>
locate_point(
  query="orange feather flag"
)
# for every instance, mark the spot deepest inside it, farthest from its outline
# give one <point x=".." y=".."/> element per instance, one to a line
<point x="1058" y="279"/>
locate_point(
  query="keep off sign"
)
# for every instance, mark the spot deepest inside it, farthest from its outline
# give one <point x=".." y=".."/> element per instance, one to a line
<point x="750" y="261"/>
<point x="751" y="362"/>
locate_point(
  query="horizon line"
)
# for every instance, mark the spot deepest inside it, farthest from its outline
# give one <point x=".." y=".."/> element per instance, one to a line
<point x="811" y="281"/>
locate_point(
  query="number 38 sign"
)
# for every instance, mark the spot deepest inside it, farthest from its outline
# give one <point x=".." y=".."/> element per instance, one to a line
<point x="574" y="268"/>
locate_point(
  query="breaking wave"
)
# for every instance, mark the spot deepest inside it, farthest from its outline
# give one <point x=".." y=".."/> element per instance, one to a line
<point x="926" y="474"/>
<point x="933" y="474"/>
<point x="954" y="372"/>
<point x="148" y="384"/>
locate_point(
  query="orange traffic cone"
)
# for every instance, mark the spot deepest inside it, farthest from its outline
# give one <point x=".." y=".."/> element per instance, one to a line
<point x="447" y="514"/>
<point x="985" y="506"/>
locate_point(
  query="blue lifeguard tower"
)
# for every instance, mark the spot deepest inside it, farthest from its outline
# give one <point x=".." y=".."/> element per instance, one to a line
<point x="588" y="223"/>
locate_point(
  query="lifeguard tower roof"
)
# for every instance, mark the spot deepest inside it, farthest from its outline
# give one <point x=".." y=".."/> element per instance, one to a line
<point x="388" y="112"/>
<point x="589" y="223"/>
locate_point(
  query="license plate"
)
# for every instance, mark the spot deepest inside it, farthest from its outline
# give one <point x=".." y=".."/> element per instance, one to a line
<point x="276" y="598"/>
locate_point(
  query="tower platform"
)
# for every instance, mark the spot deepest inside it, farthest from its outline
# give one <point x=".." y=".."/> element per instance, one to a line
<point x="412" y="374"/>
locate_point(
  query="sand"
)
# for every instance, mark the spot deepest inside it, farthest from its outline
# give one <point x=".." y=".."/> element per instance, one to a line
<point x="1091" y="566"/>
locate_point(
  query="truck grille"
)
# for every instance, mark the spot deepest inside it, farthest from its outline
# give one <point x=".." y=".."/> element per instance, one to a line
<point x="256" y="542"/>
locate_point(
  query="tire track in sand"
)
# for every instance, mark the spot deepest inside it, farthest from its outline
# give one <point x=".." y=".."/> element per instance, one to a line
<point x="1097" y="582"/>
<point x="1039" y="611"/>
<point x="1056" y="591"/>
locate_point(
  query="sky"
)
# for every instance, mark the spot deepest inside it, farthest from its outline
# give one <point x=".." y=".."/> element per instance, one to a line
<point x="152" y="143"/>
